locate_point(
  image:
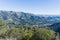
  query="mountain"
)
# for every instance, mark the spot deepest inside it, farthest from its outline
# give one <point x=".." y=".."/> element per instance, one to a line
<point x="21" y="18"/>
<point x="56" y="27"/>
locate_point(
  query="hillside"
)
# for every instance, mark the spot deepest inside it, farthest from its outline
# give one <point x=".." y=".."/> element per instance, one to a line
<point x="56" y="27"/>
<point x="21" y="18"/>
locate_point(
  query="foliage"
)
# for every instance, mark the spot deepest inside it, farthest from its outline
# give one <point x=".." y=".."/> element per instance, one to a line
<point x="2" y="22"/>
<point x="25" y="33"/>
<point x="46" y="34"/>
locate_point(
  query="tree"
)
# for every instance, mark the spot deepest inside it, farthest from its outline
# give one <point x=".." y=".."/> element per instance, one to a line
<point x="46" y="34"/>
<point x="2" y="23"/>
<point x="27" y="33"/>
<point x="2" y="28"/>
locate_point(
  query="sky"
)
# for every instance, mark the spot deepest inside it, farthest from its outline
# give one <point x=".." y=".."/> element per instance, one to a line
<point x="42" y="7"/>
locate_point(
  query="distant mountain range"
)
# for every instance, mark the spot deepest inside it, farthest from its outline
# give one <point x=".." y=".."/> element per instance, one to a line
<point x="21" y="18"/>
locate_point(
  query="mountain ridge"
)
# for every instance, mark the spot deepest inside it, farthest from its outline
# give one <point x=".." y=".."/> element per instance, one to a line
<point x="22" y="18"/>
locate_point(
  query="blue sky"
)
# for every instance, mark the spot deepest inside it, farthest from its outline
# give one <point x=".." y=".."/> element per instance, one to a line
<point x="44" y="7"/>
